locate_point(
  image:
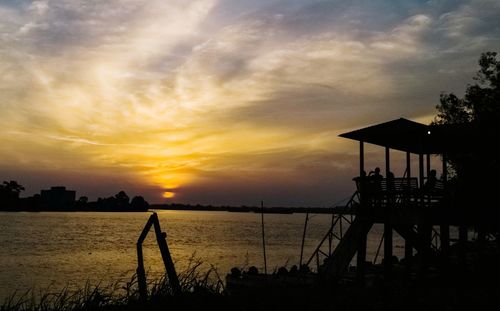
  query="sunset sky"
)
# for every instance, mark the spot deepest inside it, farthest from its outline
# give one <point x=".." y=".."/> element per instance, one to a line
<point x="221" y="102"/>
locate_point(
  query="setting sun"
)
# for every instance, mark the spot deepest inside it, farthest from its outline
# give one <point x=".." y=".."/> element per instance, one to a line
<point x="168" y="194"/>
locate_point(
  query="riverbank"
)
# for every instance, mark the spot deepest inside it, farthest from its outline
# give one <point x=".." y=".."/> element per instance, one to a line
<point x="473" y="286"/>
<point x="393" y="295"/>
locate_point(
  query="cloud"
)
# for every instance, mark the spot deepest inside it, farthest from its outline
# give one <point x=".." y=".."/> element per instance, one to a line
<point x="201" y="97"/>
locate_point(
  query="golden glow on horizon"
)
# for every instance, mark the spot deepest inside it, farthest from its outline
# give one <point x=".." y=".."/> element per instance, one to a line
<point x="168" y="194"/>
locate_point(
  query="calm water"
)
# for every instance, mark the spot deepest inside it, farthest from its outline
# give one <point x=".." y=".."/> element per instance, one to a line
<point x="53" y="250"/>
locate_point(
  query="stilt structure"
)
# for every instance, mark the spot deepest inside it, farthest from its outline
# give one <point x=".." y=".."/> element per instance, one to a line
<point x="417" y="206"/>
<point x="405" y="205"/>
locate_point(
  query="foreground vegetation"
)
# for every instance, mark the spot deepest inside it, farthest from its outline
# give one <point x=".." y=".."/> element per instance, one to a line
<point x="475" y="287"/>
<point x="206" y="285"/>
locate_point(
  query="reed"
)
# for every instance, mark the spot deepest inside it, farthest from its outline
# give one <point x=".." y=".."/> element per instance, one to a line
<point x="197" y="282"/>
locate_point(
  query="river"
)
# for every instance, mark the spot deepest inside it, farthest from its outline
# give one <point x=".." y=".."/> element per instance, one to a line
<point x="47" y="251"/>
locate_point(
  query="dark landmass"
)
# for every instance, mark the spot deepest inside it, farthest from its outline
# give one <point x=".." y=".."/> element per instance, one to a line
<point x="62" y="200"/>
<point x="245" y="209"/>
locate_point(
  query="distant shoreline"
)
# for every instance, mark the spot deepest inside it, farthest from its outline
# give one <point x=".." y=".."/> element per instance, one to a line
<point x="245" y="209"/>
<point x="71" y="210"/>
<point x="175" y="207"/>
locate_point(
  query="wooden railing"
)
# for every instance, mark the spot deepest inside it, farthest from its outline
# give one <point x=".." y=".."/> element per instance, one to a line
<point x="398" y="190"/>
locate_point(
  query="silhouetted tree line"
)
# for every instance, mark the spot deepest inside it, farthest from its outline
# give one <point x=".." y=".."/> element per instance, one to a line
<point x="9" y="194"/>
<point x="10" y="200"/>
<point x="119" y="202"/>
<point x="475" y="168"/>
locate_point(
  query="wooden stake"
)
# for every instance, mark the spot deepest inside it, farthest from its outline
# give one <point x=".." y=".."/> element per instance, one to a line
<point x="263" y="235"/>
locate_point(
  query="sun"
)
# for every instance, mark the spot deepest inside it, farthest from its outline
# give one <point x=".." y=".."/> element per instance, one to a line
<point x="168" y="194"/>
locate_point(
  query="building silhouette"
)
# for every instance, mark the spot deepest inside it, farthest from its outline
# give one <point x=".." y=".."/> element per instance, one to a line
<point x="57" y="198"/>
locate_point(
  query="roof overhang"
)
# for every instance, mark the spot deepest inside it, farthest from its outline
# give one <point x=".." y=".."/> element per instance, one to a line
<point x="405" y="135"/>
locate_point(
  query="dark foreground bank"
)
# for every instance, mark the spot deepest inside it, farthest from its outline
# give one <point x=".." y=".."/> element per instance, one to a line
<point x="472" y="285"/>
<point x="384" y="296"/>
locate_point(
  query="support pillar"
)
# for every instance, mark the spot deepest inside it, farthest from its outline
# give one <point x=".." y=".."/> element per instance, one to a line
<point x="387" y="222"/>
<point x="408" y="245"/>
<point x="422" y="227"/>
<point x="361" y="252"/>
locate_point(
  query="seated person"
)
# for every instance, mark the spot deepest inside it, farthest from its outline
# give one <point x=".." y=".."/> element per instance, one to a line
<point x="430" y="184"/>
<point x="361" y="181"/>
<point x="375" y="179"/>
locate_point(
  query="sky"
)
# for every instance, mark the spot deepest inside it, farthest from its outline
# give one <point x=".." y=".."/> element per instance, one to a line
<point x="221" y="101"/>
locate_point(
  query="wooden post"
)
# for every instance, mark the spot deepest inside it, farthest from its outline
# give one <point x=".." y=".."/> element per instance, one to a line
<point x="141" y="273"/>
<point x="422" y="226"/>
<point x="361" y="260"/>
<point x="263" y="235"/>
<point x="361" y="158"/>
<point x="421" y="170"/>
<point x="165" y="254"/>
<point x="387" y="224"/>
<point x="428" y="168"/>
<point x="428" y="223"/>
<point x="361" y="253"/>
<point x="303" y="239"/>
<point x="408" y="245"/>
<point x="427" y="173"/>
<point x="387" y="161"/>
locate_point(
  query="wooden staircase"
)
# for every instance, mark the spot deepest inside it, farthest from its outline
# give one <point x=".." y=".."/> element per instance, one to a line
<point x="337" y="263"/>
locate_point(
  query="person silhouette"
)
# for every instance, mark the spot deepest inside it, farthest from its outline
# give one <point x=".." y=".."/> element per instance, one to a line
<point x="375" y="184"/>
<point x="361" y="182"/>
<point x="430" y="184"/>
<point x="375" y="177"/>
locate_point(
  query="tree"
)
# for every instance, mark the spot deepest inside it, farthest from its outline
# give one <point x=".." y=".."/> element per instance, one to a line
<point x="452" y="110"/>
<point x="12" y="187"/>
<point x="138" y="203"/>
<point x="478" y="113"/>
<point x="9" y="193"/>
<point x="481" y="102"/>
<point x="122" y="197"/>
<point x="478" y="109"/>
<point x="10" y="190"/>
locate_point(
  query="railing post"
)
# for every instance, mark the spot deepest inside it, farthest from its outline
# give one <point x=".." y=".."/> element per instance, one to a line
<point x="141" y="273"/>
<point x="303" y="239"/>
<point x="165" y="254"/>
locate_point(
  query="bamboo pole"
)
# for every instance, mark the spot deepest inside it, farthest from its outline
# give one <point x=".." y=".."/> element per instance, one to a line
<point x="263" y="235"/>
<point x="303" y="239"/>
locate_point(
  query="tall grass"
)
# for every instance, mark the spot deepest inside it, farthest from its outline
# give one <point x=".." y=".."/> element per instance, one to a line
<point x="195" y="282"/>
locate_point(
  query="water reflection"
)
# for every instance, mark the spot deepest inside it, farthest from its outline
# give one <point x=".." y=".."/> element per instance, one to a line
<point x="57" y="249"/>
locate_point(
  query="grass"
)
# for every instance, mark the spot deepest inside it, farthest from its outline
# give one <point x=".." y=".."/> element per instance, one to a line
<point x="198" y="287"/>
<point x="203" y="289"/>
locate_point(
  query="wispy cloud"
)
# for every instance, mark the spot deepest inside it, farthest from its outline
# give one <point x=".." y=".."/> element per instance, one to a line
<point x="205" y="96"/>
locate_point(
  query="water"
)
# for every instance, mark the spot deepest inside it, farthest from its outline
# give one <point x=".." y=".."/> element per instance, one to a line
<point x="47" y="251"/>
